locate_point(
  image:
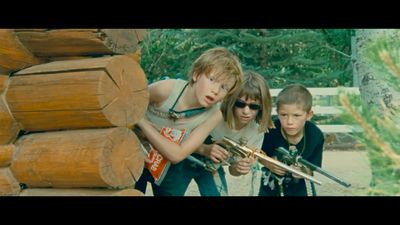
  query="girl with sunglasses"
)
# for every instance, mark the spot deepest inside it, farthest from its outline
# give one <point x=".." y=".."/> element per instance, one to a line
<point x="247" y="115"/>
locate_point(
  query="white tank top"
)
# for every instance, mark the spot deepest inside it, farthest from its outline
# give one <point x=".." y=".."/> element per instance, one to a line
<point x="159" y="115"/>
<point x="250" y="132"/>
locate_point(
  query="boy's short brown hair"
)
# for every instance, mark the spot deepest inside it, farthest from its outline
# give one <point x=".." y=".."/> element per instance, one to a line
<point x="255" y="87"/>
<point x="220" y="61"/>
<point x="295" y="94"/>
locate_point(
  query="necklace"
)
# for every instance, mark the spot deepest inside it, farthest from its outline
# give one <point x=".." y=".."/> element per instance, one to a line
<point x="174" y="115"/>
<point x="292" y="147"/>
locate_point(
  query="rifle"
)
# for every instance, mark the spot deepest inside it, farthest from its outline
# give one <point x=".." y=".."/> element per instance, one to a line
<point x="294" y="158"/>
<point x="240" y="149"/>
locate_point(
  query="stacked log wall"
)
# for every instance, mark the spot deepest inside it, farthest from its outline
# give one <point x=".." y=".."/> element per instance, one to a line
<point x="79" y="158"/>
<point x="75" y="94"/>
<point x="84" y="86"/>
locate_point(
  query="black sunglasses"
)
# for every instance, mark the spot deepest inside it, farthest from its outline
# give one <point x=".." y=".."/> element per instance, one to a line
<point x="252" y="106"/>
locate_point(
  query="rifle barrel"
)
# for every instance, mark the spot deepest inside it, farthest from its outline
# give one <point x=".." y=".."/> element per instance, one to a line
<point x="313" y="167"/>
<point x="288" y="168"/>
<point x="323" y="172"/>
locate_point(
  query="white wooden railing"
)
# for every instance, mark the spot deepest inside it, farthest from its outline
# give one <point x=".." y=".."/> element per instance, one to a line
<point x="327" y="110"/>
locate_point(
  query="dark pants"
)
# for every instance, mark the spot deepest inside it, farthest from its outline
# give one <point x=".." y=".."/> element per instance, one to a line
<point x="209" y="184"/>
<point x="179" y="177"/>
<point x="172" y="184"/>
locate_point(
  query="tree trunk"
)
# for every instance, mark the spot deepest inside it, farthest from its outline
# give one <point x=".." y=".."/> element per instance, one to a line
<point x="13" y="55"/>
<point x="80" y="42"/>
<point x="8" y="184"/>
<point x="81" y="158"/>
<point x="6" y="154"/>
<point x="86" y="93"/>
<point x="79" y="192"/>
<point x="373" y="90"/>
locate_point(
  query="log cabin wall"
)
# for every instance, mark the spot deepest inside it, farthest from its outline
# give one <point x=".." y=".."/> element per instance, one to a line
<point x="86" y="93"/>
<point x="54" y="85"/>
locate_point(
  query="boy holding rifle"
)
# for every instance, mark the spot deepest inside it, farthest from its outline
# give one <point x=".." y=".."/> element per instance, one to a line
<point x="295" y="132"/>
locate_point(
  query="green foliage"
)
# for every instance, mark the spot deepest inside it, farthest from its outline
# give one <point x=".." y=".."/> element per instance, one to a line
<point x="313" y="57"/>
<point x="381" y="129"/>
<point x="386" y="68"/>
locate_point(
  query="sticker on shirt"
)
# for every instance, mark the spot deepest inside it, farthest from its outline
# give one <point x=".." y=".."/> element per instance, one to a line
<point x="159" y="165"/>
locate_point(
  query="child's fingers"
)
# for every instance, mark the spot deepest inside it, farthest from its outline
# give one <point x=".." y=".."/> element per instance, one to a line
<point x="223" y="151"/>
<point x="218" y="157"/>
<point x="242" y="169"/>
<point x="215" y="159"/>
<point x="216" y="149"/>
<point x="298" y="169"/>
<point x="278" y="170"/>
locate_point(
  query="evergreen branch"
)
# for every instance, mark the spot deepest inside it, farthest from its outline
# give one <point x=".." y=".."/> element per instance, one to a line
<point x="370" y="132"/>
<point x="384" y="55"/>
<point x="164" y="50"/>
<point x="335" y="50"/>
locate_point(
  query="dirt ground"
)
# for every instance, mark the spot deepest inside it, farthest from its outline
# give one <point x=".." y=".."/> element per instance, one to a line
<point x="351" y="166"/>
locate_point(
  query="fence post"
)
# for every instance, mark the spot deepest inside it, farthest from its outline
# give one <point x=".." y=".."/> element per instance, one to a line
<point x="356" y="82"/>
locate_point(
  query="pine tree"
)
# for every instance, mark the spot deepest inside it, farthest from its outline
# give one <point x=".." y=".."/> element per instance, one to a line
<point x="380" y="123"/>
<point x="283" y="56"/>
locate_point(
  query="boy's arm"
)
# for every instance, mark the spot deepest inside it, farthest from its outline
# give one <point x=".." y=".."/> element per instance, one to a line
<point x="268" y="147"/>
<point x="175" y="152"/>
<point x="316" y="156"/>
<point x="160" y="90"/>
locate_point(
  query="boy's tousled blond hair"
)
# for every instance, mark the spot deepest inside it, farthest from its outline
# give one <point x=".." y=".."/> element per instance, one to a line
<point x="295" y="94"/>
<point x="254" y="87"/>
<point x="221" y="62"/>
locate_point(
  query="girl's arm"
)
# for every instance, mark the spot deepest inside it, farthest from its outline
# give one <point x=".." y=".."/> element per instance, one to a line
<point x="175" y="152"/>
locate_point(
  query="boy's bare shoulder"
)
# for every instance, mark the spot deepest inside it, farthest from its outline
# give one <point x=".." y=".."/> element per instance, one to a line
<point x="160" y="90"/>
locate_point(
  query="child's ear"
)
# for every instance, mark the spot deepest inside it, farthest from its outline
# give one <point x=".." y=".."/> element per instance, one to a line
<point x="310" y="114"/>
<point x="195" y="77"/>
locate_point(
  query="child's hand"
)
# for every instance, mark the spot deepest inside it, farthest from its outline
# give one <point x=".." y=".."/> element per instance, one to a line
<point x="272" y="167"/>
<point x="243" y="166"/>
<point x="217" y="153"/>
<point x="298" y="168"/>
<point x="302" y="169"/>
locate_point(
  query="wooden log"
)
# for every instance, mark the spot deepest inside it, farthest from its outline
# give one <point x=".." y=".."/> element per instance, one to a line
<point x="136" y="55"/>
<point x="8" y="184"/>
<point x="13" y="55"/>
<point x="80" y="42"/>
<point x="3" y="82"/>
<point x="9" y="128"/>
<point x="79" y="192"/>
<point x="79" y="158"/>
<point x="141" y="34"/>
<point x="86" y="93"/>
<point x="6" y="154"/>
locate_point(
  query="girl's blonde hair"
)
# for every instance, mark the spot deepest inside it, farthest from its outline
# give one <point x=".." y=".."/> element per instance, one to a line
<point x="254" y="87"/>
<point x="222" y="63"/>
